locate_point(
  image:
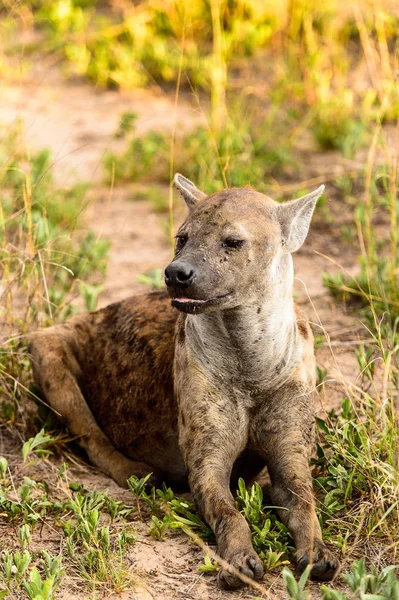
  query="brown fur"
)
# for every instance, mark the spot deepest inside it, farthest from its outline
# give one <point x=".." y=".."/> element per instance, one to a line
<point x="205" y="396"/>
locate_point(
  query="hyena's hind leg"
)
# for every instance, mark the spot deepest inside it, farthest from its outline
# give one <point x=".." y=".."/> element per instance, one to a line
<point x="56" y="372"/>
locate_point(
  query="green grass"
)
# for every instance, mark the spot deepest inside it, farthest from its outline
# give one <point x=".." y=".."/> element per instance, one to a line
<point x="241" y="153"/>
<point x="362" y="583"/>
<point x="44" y="218"/>
<point x="47" y="262"/>
<point x="96" y="549"/>
<point x="95" y="537"/>
<point x="375" y="288"/>
<point x="310" y="53"/>
<point x="18" y="573"/>
<point x="357" y="473"/>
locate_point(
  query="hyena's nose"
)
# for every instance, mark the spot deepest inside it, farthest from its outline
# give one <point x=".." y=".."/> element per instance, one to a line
<point x="179" y="274"/>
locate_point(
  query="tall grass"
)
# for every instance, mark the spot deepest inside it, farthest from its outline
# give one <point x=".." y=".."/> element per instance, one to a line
<point x="311" y="51"/>
<point x="46" y="262"/>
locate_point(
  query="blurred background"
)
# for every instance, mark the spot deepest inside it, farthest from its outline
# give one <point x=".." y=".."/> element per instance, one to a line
<point x="116" y="96"/>
<point x="101" y="102"/>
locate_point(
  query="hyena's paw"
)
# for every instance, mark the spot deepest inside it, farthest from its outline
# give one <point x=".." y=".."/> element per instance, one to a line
<point x="325" y="563"/>
<point x="245" y="561"/>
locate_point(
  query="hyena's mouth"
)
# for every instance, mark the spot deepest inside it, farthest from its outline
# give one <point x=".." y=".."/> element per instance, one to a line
<point x="195" y="306"/>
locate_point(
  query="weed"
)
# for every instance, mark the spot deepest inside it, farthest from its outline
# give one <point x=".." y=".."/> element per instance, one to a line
<point x="239" y="154"/>
<point x="382" y="583"/>
<point x="363" y="583"/>
<point x="132" y="45"/>
<point x="176" y="513"/>
<point x="321" y="375"/>
<point x="24" y="535"/>
<point x="96" y="538"/>
<point x="43" y="264"/>
<point x="126" y="124"/>
<point x="270" y="537"/>
<point x="358" y="476"/>
<point x="95" y="552"/>
<point x="375" y="288"/>
<point x="90" y="294"/>
<point x="209" y="566"/>
<point x="158" y="198"/>
<point x="3" y="467"/>
<point x="296" y="589"/>
<point x="335" y="126"/>
<point x="30" y="504"/>
<point x="18" y="573"/>
<point x="154" y="278"/>
<point x="158" y="527"/>
<point x="36" y="444"/>
<point x="145" y="156"/>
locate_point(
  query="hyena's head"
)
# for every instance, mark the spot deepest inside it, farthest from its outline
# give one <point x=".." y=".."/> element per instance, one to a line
<point x="235" y="247"/>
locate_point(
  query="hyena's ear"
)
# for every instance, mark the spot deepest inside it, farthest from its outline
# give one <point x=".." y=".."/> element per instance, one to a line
<point x="294" y="217"/>
<point x="190" y="193"/>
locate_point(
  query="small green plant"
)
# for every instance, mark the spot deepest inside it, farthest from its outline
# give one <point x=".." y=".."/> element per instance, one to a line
<point x="14" y="567"/>
<point x="96" y="552"/>
<point x="138" y="485"/>
<point x="159" y="527"/>
<point x="296" y="589"/>
<point x="176" y="513"/>
<point x="96" y="538"/>
<point x="145" y="156"/>
<point x="37" y="445"/>
<point x="44" y="589"/>
<point x="321" y="375"/>
<point x="126" y="124"/>
<point x="270" y="537"/>
<point x="30" y="505"/>
<point x="362" y="582"/>
<point x="335" y="125"/>
<point x="3" y="467"/>
<point x="375" y="288"/>
<point x="209" y="566"/>
<point x="90" y="294"/>
<point x="17" y="573"/>
<point x="357" y="473"/>
<point x="24" y="535"/>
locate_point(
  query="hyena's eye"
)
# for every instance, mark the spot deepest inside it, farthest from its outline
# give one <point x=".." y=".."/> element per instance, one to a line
<point x="233" y="243"/>
<point x="181" y="241"/>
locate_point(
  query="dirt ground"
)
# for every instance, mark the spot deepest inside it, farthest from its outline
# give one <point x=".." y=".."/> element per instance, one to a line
<point x="77" y="122"/>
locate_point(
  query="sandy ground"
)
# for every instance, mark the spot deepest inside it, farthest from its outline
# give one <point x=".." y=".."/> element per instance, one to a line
<point x="77" y="123"/>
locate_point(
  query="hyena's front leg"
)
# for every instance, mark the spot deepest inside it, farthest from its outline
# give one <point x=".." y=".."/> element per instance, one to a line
<point x="212" y="435"/>
<point x="286" y="445"/>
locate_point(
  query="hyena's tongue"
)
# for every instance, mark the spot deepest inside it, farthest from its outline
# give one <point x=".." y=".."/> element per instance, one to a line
<point x="189" y="300"/>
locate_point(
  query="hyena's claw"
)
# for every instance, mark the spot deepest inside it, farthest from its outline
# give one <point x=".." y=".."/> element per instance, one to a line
<point x="325" y="563"/>
<point x="245" y="562"/>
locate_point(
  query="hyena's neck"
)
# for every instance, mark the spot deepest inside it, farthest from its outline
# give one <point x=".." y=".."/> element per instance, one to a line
<point x="258" y="341"/>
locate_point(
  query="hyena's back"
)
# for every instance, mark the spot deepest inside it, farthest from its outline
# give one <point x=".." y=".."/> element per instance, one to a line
<point x="122" y="357"/>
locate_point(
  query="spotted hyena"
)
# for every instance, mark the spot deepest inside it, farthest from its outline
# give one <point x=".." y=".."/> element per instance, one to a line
<point x="223" y="386"/>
